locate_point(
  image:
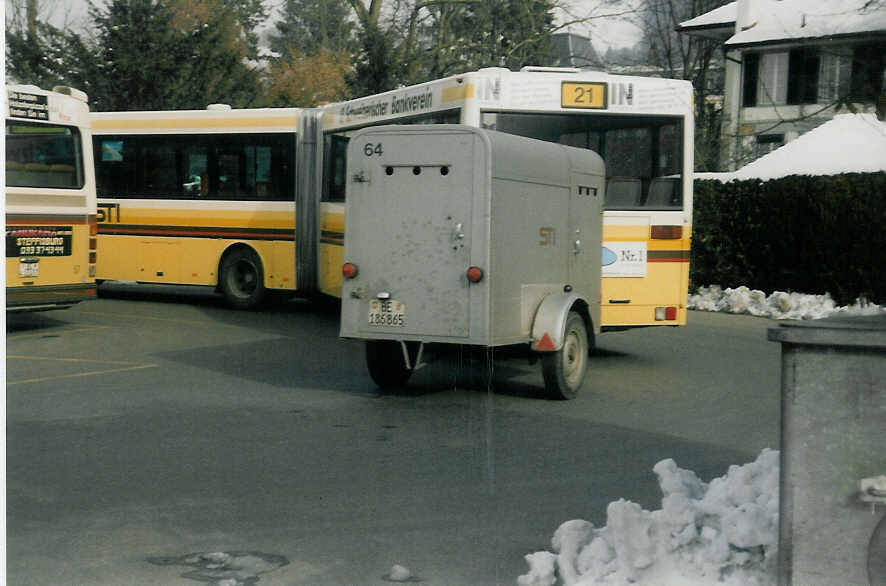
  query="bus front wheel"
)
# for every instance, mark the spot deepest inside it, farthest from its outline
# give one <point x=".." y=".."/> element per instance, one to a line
<point x="564" y="370"/>
<point x="242" y="279"/>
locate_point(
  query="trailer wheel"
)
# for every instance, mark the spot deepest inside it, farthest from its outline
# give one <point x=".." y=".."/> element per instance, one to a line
<point x="564" y="370"/>
<point x="386" y="363"/>
<point x="242" y="279"/>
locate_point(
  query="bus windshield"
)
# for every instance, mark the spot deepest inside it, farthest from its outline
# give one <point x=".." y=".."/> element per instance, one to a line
<point x="42" y="155"/>
<point x="643" y="154"/>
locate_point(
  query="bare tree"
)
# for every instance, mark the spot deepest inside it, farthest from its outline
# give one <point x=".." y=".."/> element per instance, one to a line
<point x="693" y="58"/>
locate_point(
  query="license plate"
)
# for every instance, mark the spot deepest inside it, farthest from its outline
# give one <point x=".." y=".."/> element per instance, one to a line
<point x="387" y="313"/>
<point x="29" y="268"/>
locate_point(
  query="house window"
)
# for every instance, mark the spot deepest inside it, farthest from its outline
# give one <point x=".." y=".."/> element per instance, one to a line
<point x="803" y="67"/>
<point x="751" y="78"/>
<point x="765" y="80"/>
<point x="867" y="72"/>
<point x="766" y="143"/>
<point x="773" y="86"/>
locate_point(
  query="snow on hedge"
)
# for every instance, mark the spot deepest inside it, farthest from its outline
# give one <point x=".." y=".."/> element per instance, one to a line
<point x="778" y="305"/>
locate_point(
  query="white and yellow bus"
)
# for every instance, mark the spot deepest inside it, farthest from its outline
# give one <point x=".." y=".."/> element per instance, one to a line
<point x="642" y="127"/>
<point x="201" y="197"/>
<point x="50" y="199"/>
<point x="252" y="200"/>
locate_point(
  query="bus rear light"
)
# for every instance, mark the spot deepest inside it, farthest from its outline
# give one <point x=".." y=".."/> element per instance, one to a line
<point x="92" y="244"/>
<point x="349" y="270"/>
<point x="92" y="257"/>
<point x="665" y="313"/>
<point x="93" y="227"/>
<point x="475" y="274"/>
<point x="667" y="232"/>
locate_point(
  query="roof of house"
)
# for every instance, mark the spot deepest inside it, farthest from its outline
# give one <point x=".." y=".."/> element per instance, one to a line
<point x="718" y="18"/>
<point x="574" y="50"/>
<point x="775" y="21"/>
<point x="848" y="143"/>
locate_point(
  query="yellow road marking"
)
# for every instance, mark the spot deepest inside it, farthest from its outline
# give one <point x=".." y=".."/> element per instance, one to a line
<point x="92" y="360"/>
<point x="79" y="374"/>
<point x="132" y="315"/>
<point x="124" y="367"/>
<point x="62" y="331"/>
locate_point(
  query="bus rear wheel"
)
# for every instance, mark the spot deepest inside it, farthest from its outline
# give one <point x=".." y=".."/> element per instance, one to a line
<point x="242" y="279"/>
<point x="386" y="363"/>
<point x="564" y="370"/>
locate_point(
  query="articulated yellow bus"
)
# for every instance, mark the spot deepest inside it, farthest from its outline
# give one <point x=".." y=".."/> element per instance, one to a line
<point x="199" y="198"/>
<point x="642" y="127"/>
<point x="252" y="201"/>
<point x="50" y="199"/>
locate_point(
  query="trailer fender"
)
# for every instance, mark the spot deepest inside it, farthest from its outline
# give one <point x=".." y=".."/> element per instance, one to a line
<point x="549" y="325"/>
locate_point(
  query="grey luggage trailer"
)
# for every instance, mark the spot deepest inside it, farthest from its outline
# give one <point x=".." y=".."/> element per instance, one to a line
<point x="459" y="235"/>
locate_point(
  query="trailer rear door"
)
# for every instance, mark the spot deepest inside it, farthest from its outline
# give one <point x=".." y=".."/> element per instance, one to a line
<point x="409" y="231"/>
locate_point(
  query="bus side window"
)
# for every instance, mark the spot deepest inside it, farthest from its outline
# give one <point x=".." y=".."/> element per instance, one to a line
<point x="336" y="169"/>
<point x="116" y="170"/>
<point x="228" y="175"/>
<point x="160" y="169"/>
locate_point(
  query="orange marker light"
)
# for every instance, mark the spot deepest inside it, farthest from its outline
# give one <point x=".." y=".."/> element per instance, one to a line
<point x="349" y="270"/>
<point x="475" y="274"/>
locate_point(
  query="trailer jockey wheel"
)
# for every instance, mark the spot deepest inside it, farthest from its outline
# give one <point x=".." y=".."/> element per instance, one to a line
<point x="387" y="365"/>
<point x="564" y="370"/>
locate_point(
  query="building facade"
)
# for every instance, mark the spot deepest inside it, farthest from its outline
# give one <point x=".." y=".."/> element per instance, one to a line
<point x="791" y="65"/>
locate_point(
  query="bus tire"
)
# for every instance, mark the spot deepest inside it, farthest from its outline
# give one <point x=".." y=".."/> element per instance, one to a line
<point x="386" y="364"/>
<point x="242" y="279"/>
<point x="564" y="370"/>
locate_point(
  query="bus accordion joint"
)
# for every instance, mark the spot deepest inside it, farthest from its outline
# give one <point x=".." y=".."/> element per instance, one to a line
<point x="667" y="232"/>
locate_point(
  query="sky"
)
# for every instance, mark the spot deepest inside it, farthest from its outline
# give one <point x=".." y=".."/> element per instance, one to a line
<point x="604" y="30"/>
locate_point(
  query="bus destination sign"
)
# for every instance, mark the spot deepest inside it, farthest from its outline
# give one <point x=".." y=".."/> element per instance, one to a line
<point x="587" y="94"/>
<point x="30" y="106"/>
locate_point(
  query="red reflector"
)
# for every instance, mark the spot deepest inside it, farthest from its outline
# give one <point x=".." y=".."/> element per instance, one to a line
<point x="545" y="343"/>
<point x="475" y="274"/>
<point x="670" y="313"/>
<point x="349" y="270"/>
<point x="667" y="232"/>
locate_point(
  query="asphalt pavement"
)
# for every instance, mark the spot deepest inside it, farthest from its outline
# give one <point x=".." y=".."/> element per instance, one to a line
<point x="156" y="437"/>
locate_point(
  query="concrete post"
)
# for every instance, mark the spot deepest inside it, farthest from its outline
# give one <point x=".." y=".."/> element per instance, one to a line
<point x="833" y="436"/>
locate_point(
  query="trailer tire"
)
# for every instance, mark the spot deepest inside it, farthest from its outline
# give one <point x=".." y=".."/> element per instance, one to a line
<point x="386" y="363"/>
<point x="242" y="279"/>
<point x="564" y="370"/>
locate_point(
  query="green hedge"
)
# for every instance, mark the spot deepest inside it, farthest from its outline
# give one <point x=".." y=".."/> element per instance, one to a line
<point x="798" y="233"/>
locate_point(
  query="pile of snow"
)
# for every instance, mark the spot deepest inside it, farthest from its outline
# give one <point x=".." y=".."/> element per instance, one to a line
<point x="725" y="532"/>
<point x="778" y="305"/>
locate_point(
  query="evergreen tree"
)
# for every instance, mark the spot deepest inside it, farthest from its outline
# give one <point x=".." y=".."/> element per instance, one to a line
<point x="506" y="33"/>
<point x="251" y="14"/>
<point x="311" y="26"/>
<point x="156" y="55"/>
